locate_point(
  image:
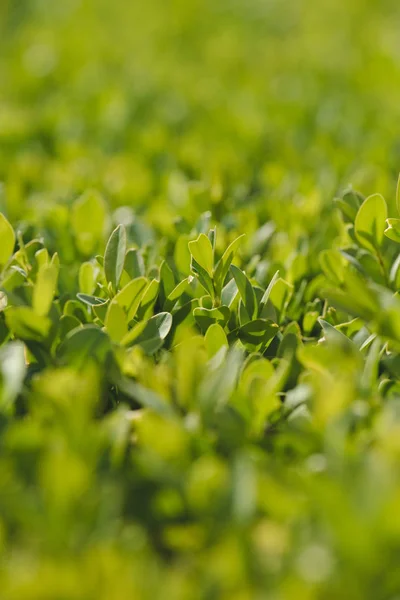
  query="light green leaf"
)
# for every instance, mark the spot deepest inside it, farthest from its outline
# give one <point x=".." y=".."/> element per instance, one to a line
<point x="246" y="291"/>
<point x="147" y="398"/>
<point x="267" y="293"/>
<point x="258" y="368"/>
<point x="333" y="265"/>
<point x="202" y="251"/>
<point x="116" y="322"/>
<point x="114" y="257"/>
<point x="167" y="282"/>
<point x="204" y="278"/>
<point x="42" y="257"/>
<point x="229" y="293"/>
<point x="25" y="324"/>
<point x="7" y="241"/>
<point x="178" y="291"/>
<point x="393" y="229"/>
<point x="182" y="256"/>
<point x="333" y="335"/>
<point x="215" y="339"/>
<point x="130" y="297"/>
<point x="223" y="265"/>
<point x="148" y="300"/>
<point x="280" y="296"/>
<point x="44" y="290"/>
<point x="369" y="225"/>
<point x="87" y="278"/>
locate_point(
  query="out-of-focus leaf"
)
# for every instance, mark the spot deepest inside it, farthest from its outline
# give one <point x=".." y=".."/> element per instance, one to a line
<point x="7" y="241"/>
<point x="12" y="372"/>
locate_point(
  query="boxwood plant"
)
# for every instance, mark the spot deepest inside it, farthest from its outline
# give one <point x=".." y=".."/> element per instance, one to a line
<point x="199" y="315"/>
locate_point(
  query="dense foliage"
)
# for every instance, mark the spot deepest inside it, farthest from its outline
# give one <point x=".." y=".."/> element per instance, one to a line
<point x="199" y="314"/>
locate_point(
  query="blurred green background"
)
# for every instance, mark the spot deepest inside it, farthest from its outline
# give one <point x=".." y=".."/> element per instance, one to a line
<point x="254" y="99"/>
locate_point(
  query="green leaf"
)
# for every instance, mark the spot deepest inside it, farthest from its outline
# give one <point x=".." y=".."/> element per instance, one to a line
<point x="257" y="368"/>
<point x="309" y="321"/>
<point x="150" y="334"/>
<point x="205" y="317"/>
<point x="100" y="312"/>
<point x="349" y="204"/>
<point x="148" y="300"/>
<point x="280" y="296"/>
<point x="7" y="241"/>
<point x="42" y="257"/>
<point x="134" y="264"/>
<point x="131" y="295"/>
<point x="182" y="256"/>
<point x="267" y="293"/>
<point x="25" y="324"/>
<point x="92" y="300"/>
<point x="223" y="265"/>
<point x="246" y="291"/>
<point x="333" y="265"/>
<point x="215" y="339"/>
<point x="44" y="290"/>
<point x="12" y="375"/>
<point x="393" y="229"/>
<point x="369" y="225"/>
<point x="87" y="278"/>
<point x="67" y="324"/>
<point x="183" y="316"/>
<point x="362" y="293"/>
<point x="144" y="396"/>
<point x="202" y="252"/>
<point x="333" y="335"/>
<point x="116" y="322"/>
<point x="229" y="293"/>
<point x="204" y="278"/>
<point x="258" y="332"/>
<point x="178" y="291"/>
<point x="212" y="236"/>
<point x="85" y="344"/>
<point x="114" y="257"/>
<point x="167" y="282"/>
<point x="398" y="194"/>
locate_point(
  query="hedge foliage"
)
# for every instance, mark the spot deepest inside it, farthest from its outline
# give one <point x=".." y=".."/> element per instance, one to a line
<point x="199" y="312"/>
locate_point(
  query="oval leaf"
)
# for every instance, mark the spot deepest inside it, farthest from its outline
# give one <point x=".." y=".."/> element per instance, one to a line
<point x="114" y="257"/>
<point x="202" y="251"/>
<point x="246" y="291"/>
<point x="92" y="300"/>
<point x="370" y="222"/>
<point x="85" y="343"/>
